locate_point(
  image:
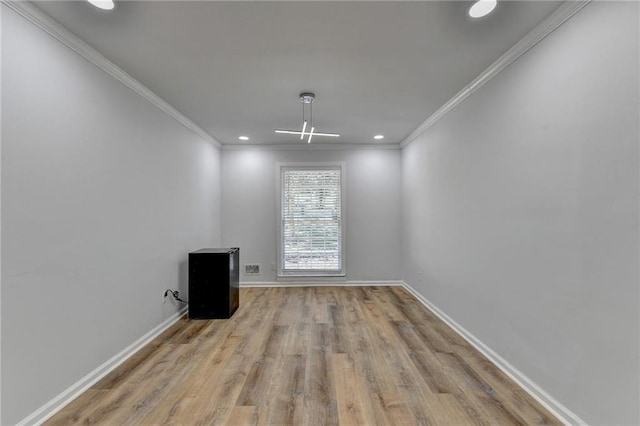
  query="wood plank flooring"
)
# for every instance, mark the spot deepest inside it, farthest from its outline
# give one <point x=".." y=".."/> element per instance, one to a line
<point x="309" y="356"/>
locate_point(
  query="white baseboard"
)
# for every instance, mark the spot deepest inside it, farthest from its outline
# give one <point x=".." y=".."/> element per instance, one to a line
<point x="563" y="414"/>
<point x="556" y="408"/>
<point x="321" y="284"/>
<point x="56" y="404"/>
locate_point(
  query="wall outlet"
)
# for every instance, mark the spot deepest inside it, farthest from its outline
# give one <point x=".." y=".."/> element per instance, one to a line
<point x="252" y="269"/>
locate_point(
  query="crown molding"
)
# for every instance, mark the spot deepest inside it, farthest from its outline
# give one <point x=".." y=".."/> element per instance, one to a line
<point x="309" y="147"/>
<point x="34" y="15"/>
<point x="533" y="37"/>
<point x="44" y="22"/>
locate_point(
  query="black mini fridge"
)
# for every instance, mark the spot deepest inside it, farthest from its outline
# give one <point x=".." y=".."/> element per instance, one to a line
<point x="214" y="283"/>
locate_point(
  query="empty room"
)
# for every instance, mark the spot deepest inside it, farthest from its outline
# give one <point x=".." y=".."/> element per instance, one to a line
<point x="320" y="212"/>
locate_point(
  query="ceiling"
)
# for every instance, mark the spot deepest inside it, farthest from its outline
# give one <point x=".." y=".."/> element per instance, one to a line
<point x="237" y="67"/>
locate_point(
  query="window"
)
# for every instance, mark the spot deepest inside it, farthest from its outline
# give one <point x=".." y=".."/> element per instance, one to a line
<point x="311" y="220"/>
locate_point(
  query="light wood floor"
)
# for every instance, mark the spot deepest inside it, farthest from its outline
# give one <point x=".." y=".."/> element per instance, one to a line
<point x="309" y="356"/>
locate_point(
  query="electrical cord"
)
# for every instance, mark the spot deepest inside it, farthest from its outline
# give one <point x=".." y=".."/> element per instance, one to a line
<point x="175" y="295"/>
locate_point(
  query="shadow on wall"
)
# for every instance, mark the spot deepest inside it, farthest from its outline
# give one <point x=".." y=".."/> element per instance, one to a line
<point x="183" y="276"/>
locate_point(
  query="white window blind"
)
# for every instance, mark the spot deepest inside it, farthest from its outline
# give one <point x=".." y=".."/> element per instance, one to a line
<point x="311" y="227"/>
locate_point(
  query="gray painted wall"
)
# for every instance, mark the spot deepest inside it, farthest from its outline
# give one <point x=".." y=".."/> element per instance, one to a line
<point x="373" y="200"/>
<point x="103" y="195"/>
<point x="521" y="212"/>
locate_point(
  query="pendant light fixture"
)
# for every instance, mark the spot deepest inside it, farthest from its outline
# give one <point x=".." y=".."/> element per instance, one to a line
<point x="307" y="98"/>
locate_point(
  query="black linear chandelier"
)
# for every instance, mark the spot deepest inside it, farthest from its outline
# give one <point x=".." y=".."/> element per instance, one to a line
<point x="307" y="98"/>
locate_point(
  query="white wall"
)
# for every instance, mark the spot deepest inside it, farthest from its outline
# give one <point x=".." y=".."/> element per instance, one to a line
<point x="373" y="201"/>
<point x="521" y="212"/>
<point x="103" y="195"/>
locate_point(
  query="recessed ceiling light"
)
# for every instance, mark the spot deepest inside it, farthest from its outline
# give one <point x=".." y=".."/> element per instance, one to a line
<point x="243" y="138"/>
<point x="482" y="8"/>
<point x="103" y="4"/>
<point x="378" y="137"/>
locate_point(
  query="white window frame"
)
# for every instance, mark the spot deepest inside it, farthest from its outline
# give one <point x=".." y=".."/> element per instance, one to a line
<point x="320" y="275"/>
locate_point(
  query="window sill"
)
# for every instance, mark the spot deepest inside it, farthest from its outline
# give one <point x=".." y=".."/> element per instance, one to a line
<point x="313" y="277"/>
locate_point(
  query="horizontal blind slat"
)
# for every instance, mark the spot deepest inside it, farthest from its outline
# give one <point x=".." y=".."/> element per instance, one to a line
<point x="311" y="219"/>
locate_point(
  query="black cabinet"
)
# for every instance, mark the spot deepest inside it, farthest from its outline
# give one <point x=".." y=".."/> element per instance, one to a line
<point x="214" y="283"/>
